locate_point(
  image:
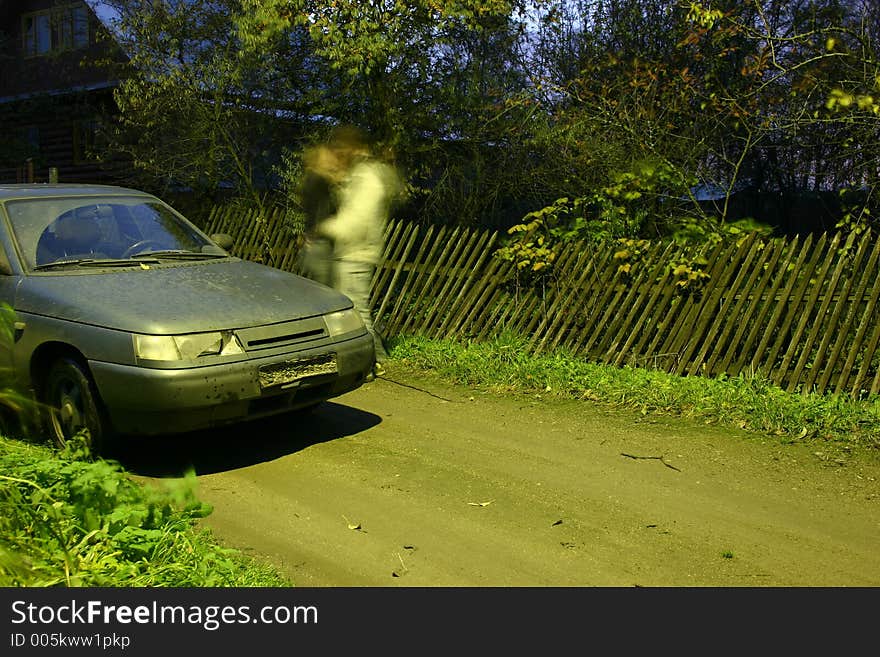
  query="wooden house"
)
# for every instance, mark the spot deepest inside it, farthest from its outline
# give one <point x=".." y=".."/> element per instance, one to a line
<point x="53" y="98"/>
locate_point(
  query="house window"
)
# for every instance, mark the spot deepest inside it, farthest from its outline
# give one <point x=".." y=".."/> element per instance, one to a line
<point x="61" y="28"/>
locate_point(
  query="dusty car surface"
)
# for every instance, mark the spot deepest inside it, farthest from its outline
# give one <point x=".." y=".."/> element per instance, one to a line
<point x="127" y="319"/>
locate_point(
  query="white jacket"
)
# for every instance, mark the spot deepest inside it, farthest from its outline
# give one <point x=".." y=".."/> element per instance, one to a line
<point x="357" y="229"/>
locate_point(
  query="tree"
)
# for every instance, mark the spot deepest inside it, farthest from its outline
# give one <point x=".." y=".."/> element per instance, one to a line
<point x="606" y="116"/>
<point x="437" y="83"/>
<point x="195" y="110"/>
<point x="667" y="98"/>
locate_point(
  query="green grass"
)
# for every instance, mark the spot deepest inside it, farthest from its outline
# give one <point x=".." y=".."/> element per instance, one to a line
<point x="66" y="521"/>
<point x="742" y="402"/>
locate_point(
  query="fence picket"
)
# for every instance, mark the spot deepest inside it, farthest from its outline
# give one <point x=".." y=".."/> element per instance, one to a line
<point x="830" y="328"/>
<point x="457" y="277"/>
<point x="414" y="233"/>
<point x="561" y="300"/>
<point x="470" y="276"/>
<point x="754" y="314"/>
<point x="561" y="333"/>
<point x="653" y="264"/>
<point x="656" y="299"/>
<point x="475" y="300"/>
<point x="680" y="334"/>
<point x="454" y="244"/>
<point x="795" y="344"/>
<point x="868" y="318"/>
<point x="792" y="304"/>
<point x="722" y="321"/>
<point x="408" y="282"/>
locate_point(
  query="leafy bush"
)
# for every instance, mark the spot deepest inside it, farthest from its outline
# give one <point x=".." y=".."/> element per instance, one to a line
<point x="70" y="522"/>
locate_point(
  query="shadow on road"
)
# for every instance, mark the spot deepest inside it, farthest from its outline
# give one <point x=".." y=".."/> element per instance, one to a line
<point x="239" y="445"/>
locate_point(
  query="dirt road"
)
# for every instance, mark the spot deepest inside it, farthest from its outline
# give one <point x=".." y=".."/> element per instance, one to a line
<point x="412" y="482"/>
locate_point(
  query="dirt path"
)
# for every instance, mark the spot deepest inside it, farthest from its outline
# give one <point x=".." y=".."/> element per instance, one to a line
<point x="412" y="482"/>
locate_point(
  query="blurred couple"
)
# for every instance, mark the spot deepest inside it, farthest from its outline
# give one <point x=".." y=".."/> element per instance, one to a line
<point x="346" y="195"/>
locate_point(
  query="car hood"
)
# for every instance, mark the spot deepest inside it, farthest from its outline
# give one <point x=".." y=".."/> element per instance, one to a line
<point x="177" y="297"/>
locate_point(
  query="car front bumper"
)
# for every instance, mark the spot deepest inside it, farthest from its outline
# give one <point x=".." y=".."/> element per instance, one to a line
<point x="149" y="401"/>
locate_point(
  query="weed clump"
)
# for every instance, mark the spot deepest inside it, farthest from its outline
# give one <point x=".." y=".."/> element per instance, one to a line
<point x="66" y="521"/>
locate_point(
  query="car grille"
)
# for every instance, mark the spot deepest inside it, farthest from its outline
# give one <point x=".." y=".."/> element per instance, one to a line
<point x="284" y="334"/>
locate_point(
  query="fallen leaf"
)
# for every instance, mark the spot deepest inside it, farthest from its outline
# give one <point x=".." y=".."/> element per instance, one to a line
<point x="352" y="525"/>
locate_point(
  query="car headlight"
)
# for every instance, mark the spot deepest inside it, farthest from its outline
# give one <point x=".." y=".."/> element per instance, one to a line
<point x="186" y="347"/>
<point x="344" y="321"/>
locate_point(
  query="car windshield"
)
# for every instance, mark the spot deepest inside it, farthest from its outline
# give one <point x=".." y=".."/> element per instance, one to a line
<point x="57" y="229"/>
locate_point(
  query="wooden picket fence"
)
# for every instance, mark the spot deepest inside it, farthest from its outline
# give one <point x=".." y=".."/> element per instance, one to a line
<point x="801" y="311"/>
<point x="270" y="237"/>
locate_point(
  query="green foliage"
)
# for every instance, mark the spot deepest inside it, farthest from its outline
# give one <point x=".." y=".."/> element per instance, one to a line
<point x="714" y="232"/>
<point x="629" y="255"/>
<point x="690" y="276"/>
<point x="69" y="522"/>
<point x="629" y="207"/>
<point x="16" y="408"/>
<point x="858" y="217"/>
<point x="603" y="117"/>
<point x="530" y="251"/>
<point x="744" y="402"/>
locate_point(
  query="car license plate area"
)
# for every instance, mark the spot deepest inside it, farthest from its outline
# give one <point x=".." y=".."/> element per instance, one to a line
<point x="293" y="371"/>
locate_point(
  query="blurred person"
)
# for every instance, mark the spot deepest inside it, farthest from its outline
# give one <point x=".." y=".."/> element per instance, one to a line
<point x="366" y="190"/>
<point x="318" y="189"/>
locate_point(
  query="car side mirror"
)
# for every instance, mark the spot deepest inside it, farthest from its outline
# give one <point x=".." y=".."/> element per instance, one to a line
<point x="223" y="240"/>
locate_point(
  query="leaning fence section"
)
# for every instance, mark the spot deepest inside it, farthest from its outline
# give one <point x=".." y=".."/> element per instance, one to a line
<point x="801" y="312"/>
<point x="271" y="237"/>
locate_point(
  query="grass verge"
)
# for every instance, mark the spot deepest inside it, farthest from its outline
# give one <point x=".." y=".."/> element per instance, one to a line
<point x="744" y="402"/>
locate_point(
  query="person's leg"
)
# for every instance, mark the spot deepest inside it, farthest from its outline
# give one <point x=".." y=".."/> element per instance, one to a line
<point x="316" y="261"/>
<point x="353" y="280"/>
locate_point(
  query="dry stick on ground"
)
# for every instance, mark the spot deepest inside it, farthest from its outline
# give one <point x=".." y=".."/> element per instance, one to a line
<point x="657" y="458"/>
<point x="427" y="392"/>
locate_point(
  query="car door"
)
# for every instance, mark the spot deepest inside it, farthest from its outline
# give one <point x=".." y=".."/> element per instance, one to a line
<point x="10" y="330"/>
<point x="8" y="322"/>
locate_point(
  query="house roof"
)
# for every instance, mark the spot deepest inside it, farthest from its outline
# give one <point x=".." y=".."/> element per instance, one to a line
<point x="108" y="84"/>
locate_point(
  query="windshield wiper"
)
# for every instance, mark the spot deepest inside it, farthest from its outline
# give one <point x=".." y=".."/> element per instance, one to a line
<point x="178" y="255"/>
<point x="95" y="262"/>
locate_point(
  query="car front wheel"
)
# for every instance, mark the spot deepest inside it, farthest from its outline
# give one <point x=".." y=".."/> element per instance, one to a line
<point x="73" y="405"/>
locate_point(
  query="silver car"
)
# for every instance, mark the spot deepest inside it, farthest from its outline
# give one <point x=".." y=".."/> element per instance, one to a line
<point x="127" y="319"/>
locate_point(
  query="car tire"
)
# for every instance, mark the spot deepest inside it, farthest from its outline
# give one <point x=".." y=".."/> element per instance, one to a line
<point x="72" y="403"/>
